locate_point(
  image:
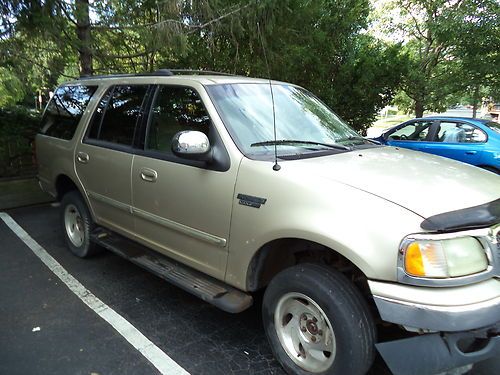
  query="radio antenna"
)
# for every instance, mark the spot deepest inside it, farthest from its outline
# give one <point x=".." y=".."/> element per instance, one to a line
<point x="276" y="166"/>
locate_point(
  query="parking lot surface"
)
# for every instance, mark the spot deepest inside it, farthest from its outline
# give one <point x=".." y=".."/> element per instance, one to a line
<point x="46" y="329"/>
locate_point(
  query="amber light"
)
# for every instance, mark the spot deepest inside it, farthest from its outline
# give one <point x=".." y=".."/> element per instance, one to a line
<point x="414" y="264"/>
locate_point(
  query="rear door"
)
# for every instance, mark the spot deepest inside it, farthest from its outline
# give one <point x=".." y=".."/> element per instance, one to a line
<point x="413" y="135"/>
<point x="104" y="158"/>
<point x="182" y="208"/>
<point x="458" y="140"/>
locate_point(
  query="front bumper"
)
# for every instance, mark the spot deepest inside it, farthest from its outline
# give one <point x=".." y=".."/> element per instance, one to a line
<point x="462" y="335"/>
<point x="439" y="318"/>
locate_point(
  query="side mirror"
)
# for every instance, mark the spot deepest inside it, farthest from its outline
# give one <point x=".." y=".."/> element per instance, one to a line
<point x="192" y="145"/>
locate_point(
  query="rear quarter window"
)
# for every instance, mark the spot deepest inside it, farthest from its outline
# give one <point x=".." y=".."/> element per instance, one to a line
<point x="65" y="109"/>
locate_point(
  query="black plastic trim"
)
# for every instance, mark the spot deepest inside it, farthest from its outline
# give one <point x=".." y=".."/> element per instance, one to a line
<point x="438" y="352"/>
<point x="481" y="216"/>
<point x="251" y="201"/>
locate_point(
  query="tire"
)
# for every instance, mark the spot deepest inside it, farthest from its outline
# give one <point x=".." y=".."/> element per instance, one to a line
<point x="77" y="225"/>
<point x="344" y="330"/>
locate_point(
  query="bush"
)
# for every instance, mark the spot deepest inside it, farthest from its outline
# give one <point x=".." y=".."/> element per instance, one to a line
<point x="18" y="127"/>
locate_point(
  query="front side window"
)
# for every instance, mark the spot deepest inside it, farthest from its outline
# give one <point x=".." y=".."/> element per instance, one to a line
<point x="456" y="132"/>
<point x="175" y="109"/>
<point x="247" y="111"/>
<point x="65" y="109"/>
<point x="116" y="121"/>
<point x="414" y="131"/>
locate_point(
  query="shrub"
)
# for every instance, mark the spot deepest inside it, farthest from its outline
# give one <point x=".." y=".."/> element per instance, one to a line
<point x="18" y="127"/>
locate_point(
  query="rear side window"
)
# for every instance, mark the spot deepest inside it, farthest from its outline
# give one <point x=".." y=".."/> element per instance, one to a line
<point x="65" y="109"/>
<point x="117" y="114"/>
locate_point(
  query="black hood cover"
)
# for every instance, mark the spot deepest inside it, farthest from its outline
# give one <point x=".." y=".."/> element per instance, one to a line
<point x="481" y="216"/>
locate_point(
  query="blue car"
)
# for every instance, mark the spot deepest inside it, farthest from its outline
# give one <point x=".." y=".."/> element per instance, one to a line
<point x="470" y="140"/>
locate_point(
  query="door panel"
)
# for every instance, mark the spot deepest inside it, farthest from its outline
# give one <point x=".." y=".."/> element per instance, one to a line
<point x="106" y="178"/>
<point x="185" y="212"/>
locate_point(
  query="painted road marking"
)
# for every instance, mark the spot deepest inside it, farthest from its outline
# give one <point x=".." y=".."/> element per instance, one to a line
<point x="153" y="354"/>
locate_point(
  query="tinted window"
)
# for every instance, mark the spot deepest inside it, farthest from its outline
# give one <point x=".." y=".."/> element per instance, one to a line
<point x="175" y="109"/>
<point x="415" y="131"/>
<point x="456" y="132"/>
<point x="120" y="116"/>
<point x="65" y="109"/>
<point x="95" y="124"/>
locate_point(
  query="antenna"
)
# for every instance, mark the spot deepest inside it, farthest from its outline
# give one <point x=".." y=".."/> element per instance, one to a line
<point x="276" y="166"/>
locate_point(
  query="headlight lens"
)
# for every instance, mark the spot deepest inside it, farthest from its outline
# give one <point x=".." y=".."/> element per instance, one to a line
<point x="444" y="258"/>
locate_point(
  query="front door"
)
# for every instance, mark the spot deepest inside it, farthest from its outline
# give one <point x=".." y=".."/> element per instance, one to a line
<point x="459" y="141"/>
<point x="182" y="208"/>
<point x="104" y="159"/>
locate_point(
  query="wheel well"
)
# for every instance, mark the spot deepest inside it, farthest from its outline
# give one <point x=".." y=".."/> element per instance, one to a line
<point x="277" y="255"/>
<point x="63" y="185"/>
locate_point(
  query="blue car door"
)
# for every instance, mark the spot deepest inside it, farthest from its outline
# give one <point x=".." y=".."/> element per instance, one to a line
<point x="457" y="140"/>
<point x="412" y="134"/>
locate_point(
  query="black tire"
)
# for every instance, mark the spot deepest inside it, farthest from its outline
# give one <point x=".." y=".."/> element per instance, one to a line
<point x="73" y="202"/>
<point x="343" y="305"/>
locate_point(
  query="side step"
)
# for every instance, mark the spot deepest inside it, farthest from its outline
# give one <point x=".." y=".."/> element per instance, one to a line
<point x="203" y="286"/>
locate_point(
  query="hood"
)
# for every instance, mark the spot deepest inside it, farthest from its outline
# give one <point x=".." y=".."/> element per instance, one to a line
<point x="425" y="184"/>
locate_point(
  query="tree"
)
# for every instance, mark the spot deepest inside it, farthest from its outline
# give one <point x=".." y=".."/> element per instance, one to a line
<point x="11" y="89"/>
<point x="444" y="41"/>
<point x="318" y="45"/>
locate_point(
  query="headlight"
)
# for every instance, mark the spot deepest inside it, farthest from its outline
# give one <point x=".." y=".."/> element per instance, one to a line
<point x="444" y="258"/>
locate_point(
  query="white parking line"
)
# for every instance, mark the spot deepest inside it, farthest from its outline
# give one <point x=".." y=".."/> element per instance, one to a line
<point x="153" y="354"/>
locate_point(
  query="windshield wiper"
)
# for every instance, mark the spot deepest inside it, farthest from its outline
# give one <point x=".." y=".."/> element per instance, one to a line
<point x="292" y="141"/>
<point x="355" y="138"/>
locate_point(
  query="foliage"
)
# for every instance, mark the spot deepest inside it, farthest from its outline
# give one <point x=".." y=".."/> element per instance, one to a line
<point x="316" y="44"/>
<point x="18" y="127"/>
<point x="451" y="46"/>
<point x="11" y="89"/>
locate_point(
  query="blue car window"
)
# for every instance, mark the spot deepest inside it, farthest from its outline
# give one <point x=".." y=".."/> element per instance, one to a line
<point x="415" y="131"/>
<point x="456" y="132"/>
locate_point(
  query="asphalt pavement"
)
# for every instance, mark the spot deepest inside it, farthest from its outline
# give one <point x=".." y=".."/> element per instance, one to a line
<point x="45" y="328"/>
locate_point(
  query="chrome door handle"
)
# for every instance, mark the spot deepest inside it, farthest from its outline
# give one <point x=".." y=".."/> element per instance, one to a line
<point x="82" y="157"/>
<point x="149" y="175"/>
<point x="471" y="152"/>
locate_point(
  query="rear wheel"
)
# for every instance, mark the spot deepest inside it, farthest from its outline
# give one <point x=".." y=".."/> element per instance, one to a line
<point x="77" y="225"/>
<point x="317" y="322"/>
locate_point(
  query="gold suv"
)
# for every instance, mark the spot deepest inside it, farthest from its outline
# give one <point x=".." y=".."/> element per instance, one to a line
<point x="226" y="185"/>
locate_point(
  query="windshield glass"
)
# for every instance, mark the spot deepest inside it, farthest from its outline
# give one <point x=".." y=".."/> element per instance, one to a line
<point x="246" y="110"/>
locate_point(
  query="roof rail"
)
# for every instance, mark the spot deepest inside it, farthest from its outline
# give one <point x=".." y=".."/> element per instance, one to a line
<point x="159" y="72"/>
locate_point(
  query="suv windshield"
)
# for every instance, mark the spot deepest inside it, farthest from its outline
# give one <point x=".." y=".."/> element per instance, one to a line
<point x="303" y="123"/>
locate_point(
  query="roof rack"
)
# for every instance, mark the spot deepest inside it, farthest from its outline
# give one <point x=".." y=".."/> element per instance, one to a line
<point x="160" y="72"/>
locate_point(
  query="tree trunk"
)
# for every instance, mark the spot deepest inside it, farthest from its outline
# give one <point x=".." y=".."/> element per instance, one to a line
<point x="475" y="99"/>
<point x="419" y="108"/>
<point x="84" y="37"/>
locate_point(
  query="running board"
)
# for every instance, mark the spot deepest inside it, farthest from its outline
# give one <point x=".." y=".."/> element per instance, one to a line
<point x="203" y="286"/>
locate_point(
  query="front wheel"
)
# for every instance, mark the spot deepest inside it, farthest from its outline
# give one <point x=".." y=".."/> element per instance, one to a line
<point x="317" y="322"/>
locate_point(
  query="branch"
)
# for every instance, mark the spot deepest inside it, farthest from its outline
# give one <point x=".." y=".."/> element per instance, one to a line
<point x="68" y="16"/>
<point x="42" y="66"/>
<point x="172" y="21"/>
